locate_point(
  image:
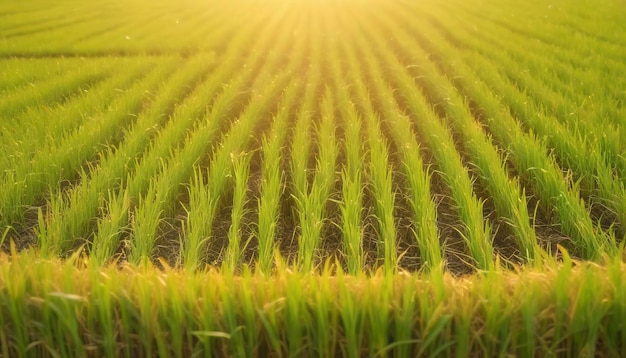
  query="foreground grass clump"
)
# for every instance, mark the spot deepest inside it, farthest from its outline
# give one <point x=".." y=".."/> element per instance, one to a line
<point x="74" y="308"/>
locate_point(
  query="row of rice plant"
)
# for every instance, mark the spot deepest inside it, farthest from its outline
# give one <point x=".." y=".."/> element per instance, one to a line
<point x="477" y="231"/>
<point x="378" y="176"/>
<point x="81" y="203"/>
<point x="63" y="156"/>
<point x="23" y="133"/>
<point x="272" y="180"/>
<point x="209" y="186"/>
<point x="574" y="142"/>
<point x="509" y="198"/>
<point x="311" y="200"/>
<point x="570" y="87"/>
<point x="418" y="177"/>
<point x="52" y="90"/>
<point x="181" y="167"/>
<point x="528" y="155"/>
<point x="352" y="193"/>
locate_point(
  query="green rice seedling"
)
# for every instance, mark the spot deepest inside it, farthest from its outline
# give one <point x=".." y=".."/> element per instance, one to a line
<point x="248" y="310"/>
<point x="272" y="184"/>
<point x="69" y="224"/>
<point x="435" y="324"/>
<point x="197" y="235"/>
<point x="110" y="228"/>
<point x="509" y="200"/>
<point x="79" y="307"/>
<point x="300" y="150"/>
<point x="207" y="334"/>
<point x="272" y="317"/>
<point x="588" y="165"/>
<point x="58" y="316"/>
<point x="352" y="191"/>
<point x="146" y="306"/>
<point x="15" y="303"/>
<point x="351" y="205"/>
<point x="566" y="62"/>
<point x="498" y="336"/>
<point x="553" y="33"/>
<point x="241" y="171"/>
<point x="55" y="33"/>
<point x="192" y="28"/>
<point x="561" y="298"/>
<point x="217" y="107"/>
<point x="312" y="207"/>
<point x="26" y="136"/>
<point x="380" y="176"/>
<point x="174" y="318"/>
<point x="615" y="340"/>
<point x="586" y="323"/>
<point x="26" y="23"/>
<point x="242" y="336"/>
<point x="135" y="186"/>
<point x="152" y="131"/>
<point x="102" y="317"/>
<point x="301" y="134"/>
<point x="183" y="29"/>
<point x="77" y="211"/>
<point x="145" y="220"/>
<point x="48" y="238"/>
<point x="187" y="120"/>
<point x="352" y="227"/>
<point x="526" y="340"/>
<point x="424" y="213"/>
<point x="203" y="202"/>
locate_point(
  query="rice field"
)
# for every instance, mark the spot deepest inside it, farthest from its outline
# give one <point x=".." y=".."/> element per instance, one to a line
<point x="312" y="178"/>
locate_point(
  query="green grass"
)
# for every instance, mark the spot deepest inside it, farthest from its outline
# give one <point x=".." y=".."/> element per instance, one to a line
<point x="567" y="308"/>
<point x="312" y="178"/>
